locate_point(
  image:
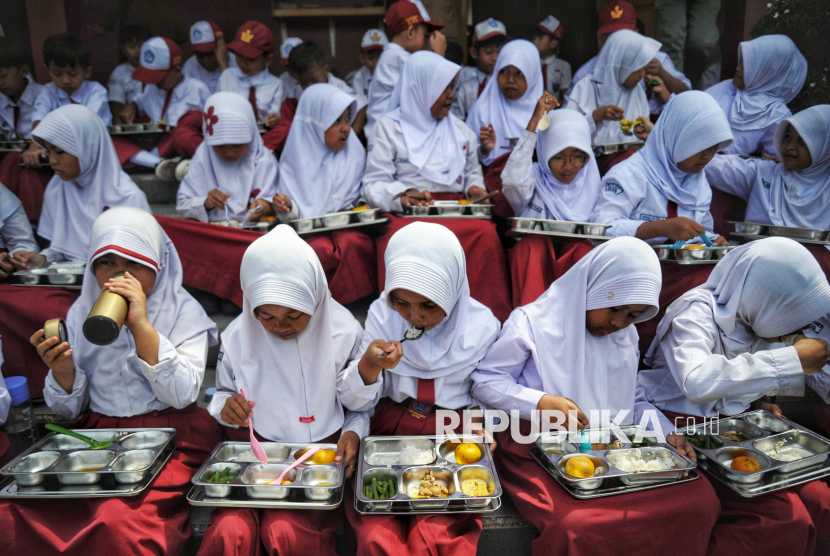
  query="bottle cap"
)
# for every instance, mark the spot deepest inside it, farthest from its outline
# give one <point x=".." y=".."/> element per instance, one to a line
<point x="209" y="394"/>
<point x="18" y="389"/>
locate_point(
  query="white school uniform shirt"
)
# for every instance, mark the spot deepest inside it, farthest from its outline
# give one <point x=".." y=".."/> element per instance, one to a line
<point x="122" y="87"/>
<point x="5" y="397"/>
<point x="820" y="382"/>
<point x="26" y="104"/>
<point x="360" y="83"/>
<point x="557" y="74"/>
<point x="292" y="86"/>
<point x="472" y="72"/>
<point x="15" y="230"/>
<point x="466" y="94"/>
<point x="114" y="380"/>
<point x="270" y="90"/>
<point x="190" y="94"/>
<point x="708" y="356"/>
<point x="91" y="94"/>
<point x="194" y="70"/>
<point x="387" y="73"/>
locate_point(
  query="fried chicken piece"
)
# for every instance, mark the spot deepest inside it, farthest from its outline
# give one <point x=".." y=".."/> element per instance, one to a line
<point x="429" y="487"/>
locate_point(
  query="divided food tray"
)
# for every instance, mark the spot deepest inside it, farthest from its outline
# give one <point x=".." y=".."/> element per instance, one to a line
<point x="13" y="146"/>
<point x="252" y="488"/>
<point x="57" y="274"/>
<point x="681" y="255"/>
<point x="610" y="148"/>
<point x="408" y="476"/>
<point x="760" y="231"/>
<point x="337" y="221"/>
<point x="137" y="129"/>
<point x="448" y="209"/>
<point x="560" y="228"/>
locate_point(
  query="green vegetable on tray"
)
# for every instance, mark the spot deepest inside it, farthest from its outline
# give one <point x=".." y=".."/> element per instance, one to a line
<point x="219" y="477"/>
<point x="704" y="442"/>
<point x="379" y="490"/>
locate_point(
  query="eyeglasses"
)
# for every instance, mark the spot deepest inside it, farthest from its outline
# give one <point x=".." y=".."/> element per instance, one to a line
<point x="574" y="160"/>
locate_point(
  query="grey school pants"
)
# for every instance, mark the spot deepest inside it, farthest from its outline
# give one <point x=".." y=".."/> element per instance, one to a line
<point x="691" y="24"/>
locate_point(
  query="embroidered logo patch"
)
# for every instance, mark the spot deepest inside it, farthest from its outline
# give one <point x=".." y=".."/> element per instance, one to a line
<point x="375" y="37"/>
<point x="651" y="217"/>
<point x="307" y="419"/>
<point x="767" y="184"/>
<point x="220" y="356"/>
<point x="614" y="188"/>
<point x="246" y="36"/>
<point x="149" y="57"/>
<point x="816" y="326"/>
<point x="210" y="119"/>
<point x="617" y="12"/>
<point x="197" y="34"/>
<point x="537" y="208"/>
<point x="610" y="296"/>
<point x="402" y="160"/>
<point x="493" y="23"/>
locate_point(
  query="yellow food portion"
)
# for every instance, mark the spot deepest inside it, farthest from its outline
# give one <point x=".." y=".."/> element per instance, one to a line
<point x="475" y="487"/>
<point x="553" y="451"/>
<point x="286" y="482"/>
<point x="323" y="457"/>
<point x="87" y="469"/>
<point x="467" y="453"/>
<point x="745" y="464"/>
<point x="362" y="207"/>
<point x="580" y="467"/>
<point x="692" y="247"/>
<point x="465" y="202"/>
<point x="268" y="219"/>
<point x="323" y="484"/>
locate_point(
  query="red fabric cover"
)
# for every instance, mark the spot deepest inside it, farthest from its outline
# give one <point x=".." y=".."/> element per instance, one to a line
<point x="275" y="137"/>
<point x="447" y="535"/>
<point x="535" y="262"/>
<point x="154" y="522"/>
<point x="347" y="257"/>
<point x="183" y="139"/>
<point x="726" y="207"/>
<point x="27" y="183"/>
<point x="492" y="182"/>
<point x="23" y="311"/>
<point x="672" y="520"/>
<point x="125" y="149"/>
<point x="486" y="264"/>
<point x="5" y="449"/>
<point x="608" y="161"/>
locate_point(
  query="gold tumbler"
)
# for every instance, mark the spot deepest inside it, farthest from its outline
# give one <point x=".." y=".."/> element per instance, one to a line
<point x="103" y="324"/>
<point x="55" y="327"/>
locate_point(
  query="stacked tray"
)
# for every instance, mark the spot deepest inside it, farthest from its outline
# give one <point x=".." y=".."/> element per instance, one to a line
<point x="251" y="484"/>
<point x="59" y="274"/>
<point x="602" y="150"/>
<point x="753" y="230"/>
<point x="139" y="129"/>
<point x="13" y="146"/>
<point x="448" y="209"/>
<point x="337" y="221"/>
<point x="263" y="227"/>
<point x="554" y="452"/>
<point x="406" y="477"/>
<point x="684" y="255"/>
<point x="559" y="228"/>
<point x="62" y="466"/>
<point x="767" y="437"/>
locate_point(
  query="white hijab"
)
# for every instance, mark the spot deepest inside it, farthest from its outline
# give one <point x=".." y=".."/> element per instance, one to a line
<point x="296" y="377"/>
<point x="803" y="198"/>
<point x="691" y="122"/>
<point x="573" y="362"/>
<point x="315" y="177"/>
<point x="574" y="201"/>
<point x="9" y="203"/>
<point x="70" y="208"/>
<point x="765" y="289"/>
<point x="434" y="146"/>
<point x="229" y="120"/>
<point x="509" y="117"/>
<point x="427" y="259"/>
<point x="134" y="234"/>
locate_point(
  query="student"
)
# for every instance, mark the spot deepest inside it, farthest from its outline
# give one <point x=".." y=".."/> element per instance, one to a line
<point x="254" y="49"/>
<point x="506" y="104"/>
<point x="123" y="88"/>
<point x="426" y="287"/>
<point x="564" y="185"/>
<point x="210" y="54"/>
<point x="291" y="334"/>
<point x="15" y="231"/>
<point x="770" y="73"/>
<point x="292" y="88"/>
<point x="232" y="174"/>
<point x="408" y="25"/>
<point x="371" y="47"/>
<point x="575" y="349"/>
<point x="5" y="404"/>
<point x="721" y="349"/>
<point x="556" y="72"/>
<point x="149" y="377"/>
<point x="488" y="39"/>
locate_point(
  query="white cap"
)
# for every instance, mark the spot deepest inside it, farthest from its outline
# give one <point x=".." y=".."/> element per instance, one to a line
<point x="201" y="32"/>
<point x="550" y="24"/>
<point x="488" y="29"/>
<point x="157" y="56"/>
<point x="288" y="45"/>
<point x="374" y="38"/>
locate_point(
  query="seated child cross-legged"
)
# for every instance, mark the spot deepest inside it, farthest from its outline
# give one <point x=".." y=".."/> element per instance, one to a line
<point x="15" y="231"/>
<point x="574" y="349"/>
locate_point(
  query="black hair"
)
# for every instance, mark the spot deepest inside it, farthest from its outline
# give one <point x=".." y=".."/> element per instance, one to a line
<point x="12" y="54"/>
<point x="134" y="32"/>
<point x="305" y="56"/>
<point x="497" y="41"/>
<point x="66" y="51"/>
<point x="640" y="27"/>
<point x="454" y="53"/>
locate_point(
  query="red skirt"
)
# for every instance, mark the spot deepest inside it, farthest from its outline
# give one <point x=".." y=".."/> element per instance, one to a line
<point x="27" y="183"/>
<point x="725" y="208"/>
<point x="608" y="161"/>
<point x="24" y="310"/>
<point x="535" y="262"/>
<point x="422" y="534"/>
<point x="486" y="264"/>
<point x="185" y="138"/>
<point x="348" y="258"/>
<point x="154" y="522"/>
<point x="673" y="520"/>
<point x="492" y="182"/>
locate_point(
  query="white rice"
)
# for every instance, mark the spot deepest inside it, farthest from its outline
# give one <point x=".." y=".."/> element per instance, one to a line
<point x="634" y="462"/>
<point x="248" y="457"/>
<point x="410" y="455"/>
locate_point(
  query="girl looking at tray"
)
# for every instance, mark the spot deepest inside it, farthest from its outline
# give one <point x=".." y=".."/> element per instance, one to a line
<point x="88" y="180"/>
<point x="150" y="377"/>
<point x="231" y="169"/>
<point x="721" y="349"/>
<point x="426" y="287"/>
<point x="287" y="350"/>
<point x="15" y="231"/>
<point x="564" y="185"/>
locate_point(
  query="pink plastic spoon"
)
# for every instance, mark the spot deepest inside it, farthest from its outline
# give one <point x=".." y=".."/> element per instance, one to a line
<point x="307" y="455"/>
<point x="256" y="447"/>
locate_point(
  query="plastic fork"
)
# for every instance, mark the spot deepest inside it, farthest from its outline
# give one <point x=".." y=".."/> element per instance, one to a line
<point x="706" y="240"/>
<point x="678" y="244"/>
<point x="256" y="447"/>
<point x="227" y="215"/>
<point x="305" y="456"/>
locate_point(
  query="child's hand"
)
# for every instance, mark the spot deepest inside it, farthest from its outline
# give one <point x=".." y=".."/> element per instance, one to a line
<point x="271" y="120"/>
<point x="370" y="366"/>
<point x="221" y="53"/>
<point x="683" y="447"/>
<point x="813" y="354"/>
<point x="438" y="43"/>
<point x="653" y="68"/>
<point x="56" y="355"/>
<point x="260" y="208"/>
<point x="216" y="199"/>
<point x="681" y="228"/>
<point x="415" y="198"/>
<point x="643" y="129"/>
<point x="347" y="448"/>
<point x="660" y="89"/>
<point x="482" y="432"/>
<point x="31" y="156"/>
<point x="609" y="113"/>
<point x="6" y="267"/>
<point x="560" y="403"/>
<point x="127" y="113"/>
<point x="24" y="260"/>
<point x="475" y="192"/>
<point x="282" y="204"/>
<point x="720" y="241"/>
<point x="545" y="104"/>
<point x="237" y="411"/>
<point x="772" y="157"/>
<point x="768" y="406"/>
<point x="487" y="137"/>
<point x="130" y="288"/>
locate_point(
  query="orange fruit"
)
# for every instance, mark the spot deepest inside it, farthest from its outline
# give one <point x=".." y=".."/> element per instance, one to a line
<point x="692" y="247"/>
<point x="323" y="457"/>
<point x="745" y="464"/>
<point x="467" y="453"/>
<point x="580" y="467"/>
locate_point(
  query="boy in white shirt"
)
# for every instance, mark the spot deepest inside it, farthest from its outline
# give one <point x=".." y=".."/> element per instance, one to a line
<point x="488" y="38"/>
<point x="556" y="72"/>
<point x="371" y="48"/>
<point x="292" y="88"/>
<point x="210" y="54"/>
<point x="122" y="87"/>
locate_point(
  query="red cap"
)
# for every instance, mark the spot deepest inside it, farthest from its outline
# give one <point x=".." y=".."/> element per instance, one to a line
<point x="616" y="16"/>
<point x="203" y="35"/>
<point x="252" y="40"/>
<point x="158" y="55"/>
<point x="403" y="14"/>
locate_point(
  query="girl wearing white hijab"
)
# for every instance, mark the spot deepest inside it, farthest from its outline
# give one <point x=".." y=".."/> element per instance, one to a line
<point x="507" y="102"/>
<point x="770" y="73"/>
<point x="612" y="92"/>
<point x="723" y="347"/>
<point x="231" y="169"/>
<point x="426" y="287"/>
<point x="575" y="349"/>
<point x="149" y="377"/>
<point x="88" y="180"/>
<point x="15" y="231"/>
<point x="287" y="352"/>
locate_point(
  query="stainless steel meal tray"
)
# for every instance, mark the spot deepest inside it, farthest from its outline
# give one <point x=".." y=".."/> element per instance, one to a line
<point x="13" y="146"/>
<point x="800" y="233"/>
<point x="751" y="228"/>
<point x="139" y="129"/>
<point x="62" y="274"/>
<point x="559" y="228"/>
<point x="610" y="148"/>
<point x="682" y="255"/>
<point x="449" y="209"/>
<point x="337" y="221"/>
